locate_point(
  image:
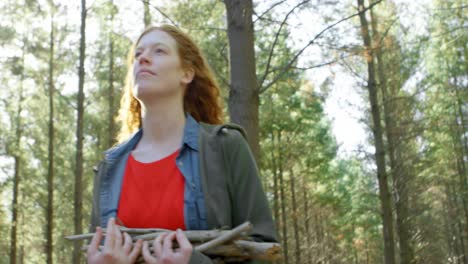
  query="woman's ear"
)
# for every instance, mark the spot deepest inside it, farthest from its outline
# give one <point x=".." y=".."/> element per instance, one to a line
<point x="188" y="76"/>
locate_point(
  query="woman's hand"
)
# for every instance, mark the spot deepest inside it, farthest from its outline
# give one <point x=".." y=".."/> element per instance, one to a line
<point x="117" y="246"/>
<point x="163" y="252"/>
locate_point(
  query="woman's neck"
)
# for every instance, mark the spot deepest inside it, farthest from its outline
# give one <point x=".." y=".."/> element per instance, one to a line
<point x="163" y="122"/>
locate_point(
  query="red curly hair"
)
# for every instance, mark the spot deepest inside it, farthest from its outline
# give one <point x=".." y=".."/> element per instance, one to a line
<point x="201" y="98"/>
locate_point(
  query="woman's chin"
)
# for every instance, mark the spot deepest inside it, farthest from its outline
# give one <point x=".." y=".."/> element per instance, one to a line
<point x="142" y="92"/>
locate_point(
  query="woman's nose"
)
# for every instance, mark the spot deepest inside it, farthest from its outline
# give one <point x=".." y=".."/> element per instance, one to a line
<point x="144" y="58"/>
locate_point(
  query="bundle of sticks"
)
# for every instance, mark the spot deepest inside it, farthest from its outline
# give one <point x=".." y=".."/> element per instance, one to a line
<point x="223" y="246"/>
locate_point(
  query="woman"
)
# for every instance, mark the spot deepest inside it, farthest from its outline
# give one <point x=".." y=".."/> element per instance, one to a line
<point x="178" y="168"/>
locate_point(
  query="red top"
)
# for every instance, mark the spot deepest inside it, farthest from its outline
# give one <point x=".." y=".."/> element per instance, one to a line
<point x="152" y="194"/>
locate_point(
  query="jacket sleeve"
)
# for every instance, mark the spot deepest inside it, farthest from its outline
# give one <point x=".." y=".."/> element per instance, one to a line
<point x="248" y="199"/>
<point x="199" y="258"/>
<point x="98" y="171"/>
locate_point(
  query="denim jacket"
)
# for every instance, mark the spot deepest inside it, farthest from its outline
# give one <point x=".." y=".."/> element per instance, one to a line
<point x="187" y="161"/>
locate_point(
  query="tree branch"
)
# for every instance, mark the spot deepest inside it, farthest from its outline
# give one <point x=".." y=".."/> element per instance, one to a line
<point x="288" y="66"/>
<point x="265" y="74"/>
<point x="161" y="12"/>
<point x="268" y="10"/>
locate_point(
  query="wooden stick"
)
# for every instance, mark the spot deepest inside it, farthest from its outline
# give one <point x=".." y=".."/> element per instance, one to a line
<point x="122" y="229"/>
<point x="79" y="237"/>
<point x="239" y="249"/>
<point x="151" y="233"/>
<point x="247" y="249"/>
<point x="223" y="245"/>
<point x="192" y="235"/>
<point x="230" y="235"/>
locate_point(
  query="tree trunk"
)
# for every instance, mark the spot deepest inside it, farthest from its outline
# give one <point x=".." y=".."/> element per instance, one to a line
<point x="16" y="153"/>
<point x="284" y="224"/>
<point x="355" y="251"/>
<point x="461" y="190"/>
<point x="460" y="94"/>
<point x="111" y="120"/>
<point x="275" y="182"/>
<point x="460" y="140"/>
<point x="309" y="249"/>
<point x="455" y="224"/>
<point x="295" y="216"/>
<point x="384" y="194"/>
<point x="274" y="168"/>
<point x="243" y="93"/>
<point x="14" y="210"/>
<point x="319" y="237"/>
<point x="21" y="255"/>
<point x="79" y="139"/>
<point x="147" y="14"/>
<point x="399" y="175"/>
<point x="50" y="170"/>
<point x="460" y="88"/>
<point x="448" y="229"/>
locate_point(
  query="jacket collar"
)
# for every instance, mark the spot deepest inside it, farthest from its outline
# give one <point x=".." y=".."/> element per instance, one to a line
<point x="191" y="131"/>
<point x="190" y="138"/>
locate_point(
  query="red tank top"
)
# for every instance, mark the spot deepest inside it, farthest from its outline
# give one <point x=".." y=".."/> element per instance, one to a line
<point x="152" y="194"/>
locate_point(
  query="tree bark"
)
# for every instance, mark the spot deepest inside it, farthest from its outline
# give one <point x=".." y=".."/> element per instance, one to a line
<point x="461" y="148"/>
<point x="274" y="168"/>
<point x="147" y="14"/>
<point x="398" y="173"/>
<point x="275" y="182"/>
<point x="295" y="217"/>
<point x="309" y="249"/>
<point x="448" y="228"/>
<point x="78" y="194"/>
<point x="384" y="194"/>
<point x="50" y="169"/>
<point x="284" y="224"/>
<point x="111" y="115"/>
<point x="461" y="190"/>
<point x="243" y="93"/>
<point x="457" y="229"/>
<point x="16" y="152"/>
<point x="319" y="237"/>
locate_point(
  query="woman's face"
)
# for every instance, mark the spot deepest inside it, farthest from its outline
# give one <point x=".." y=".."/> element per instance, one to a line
<point x="157" y="68"/>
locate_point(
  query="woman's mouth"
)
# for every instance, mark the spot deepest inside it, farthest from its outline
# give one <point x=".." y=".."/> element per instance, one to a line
<point x="145" y="72"/>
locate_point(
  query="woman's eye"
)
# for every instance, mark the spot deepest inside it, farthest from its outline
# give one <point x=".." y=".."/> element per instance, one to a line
<point x="159" y="51"/>
<point x="137" y="54"/>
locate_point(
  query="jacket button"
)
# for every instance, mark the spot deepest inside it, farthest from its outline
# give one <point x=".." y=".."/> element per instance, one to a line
<point x="181" y="163"/>
<point x="193" y="186"/>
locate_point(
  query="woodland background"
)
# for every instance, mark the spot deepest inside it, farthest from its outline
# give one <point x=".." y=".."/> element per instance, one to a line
<point x="399" y="197"/>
